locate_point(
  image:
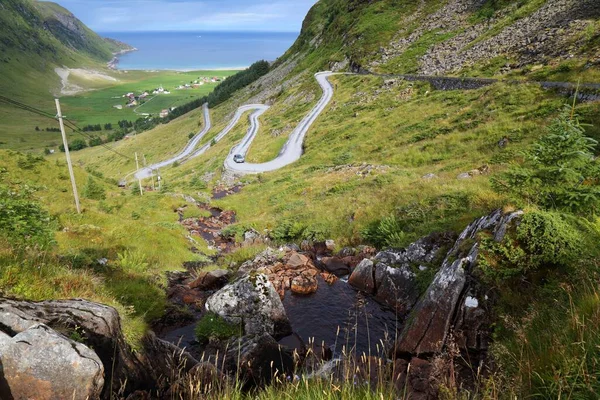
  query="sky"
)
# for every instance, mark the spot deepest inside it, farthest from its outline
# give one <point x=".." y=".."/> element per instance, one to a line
<point x="190" y="15"/>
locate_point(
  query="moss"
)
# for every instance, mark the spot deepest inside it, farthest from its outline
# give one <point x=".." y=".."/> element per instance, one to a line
<point x="213" y="326"/>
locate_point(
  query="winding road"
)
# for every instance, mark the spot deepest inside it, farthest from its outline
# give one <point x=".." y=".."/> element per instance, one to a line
<point x="291" y="151"/>
<point x="187" y="150"/>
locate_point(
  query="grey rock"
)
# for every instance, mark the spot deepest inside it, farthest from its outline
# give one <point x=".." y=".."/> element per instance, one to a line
<point x="252" y="302"/>
<point x="40" y="363"/>
<point x="432" y="317"/>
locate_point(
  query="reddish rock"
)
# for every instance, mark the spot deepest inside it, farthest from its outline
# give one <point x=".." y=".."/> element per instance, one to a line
<point x="296" y="261"/>
<point x="415" y="379"/>
<point x="330" y="279"/>
<point x="304" y="285"/>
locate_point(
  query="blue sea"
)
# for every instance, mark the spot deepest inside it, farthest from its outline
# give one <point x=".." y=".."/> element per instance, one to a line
<point x="200" y="50"/>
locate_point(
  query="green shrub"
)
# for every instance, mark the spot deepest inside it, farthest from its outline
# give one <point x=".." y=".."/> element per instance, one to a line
<point x="214" y="326"/>
<point x="22" y="220"/>
<point x="560" y="171"/>
<point x="93" y="190"/>
<point x="541" y="241"/>
<point x="133" y="261"/>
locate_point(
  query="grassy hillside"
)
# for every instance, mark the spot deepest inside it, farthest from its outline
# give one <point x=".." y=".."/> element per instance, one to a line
<point x="70" y="264"/>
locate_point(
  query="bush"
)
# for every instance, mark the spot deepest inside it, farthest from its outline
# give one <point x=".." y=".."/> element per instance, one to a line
<point x="22" y="220"/>
<point x="559" y="172"/>
<point x="214" y="326"/>
<point x="541" y="241"/>
<point x="93" y="191"/>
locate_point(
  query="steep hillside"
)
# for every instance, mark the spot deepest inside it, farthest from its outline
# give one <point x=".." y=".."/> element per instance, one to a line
<point x="38" y="36"/>
<point x="465" y="37"/>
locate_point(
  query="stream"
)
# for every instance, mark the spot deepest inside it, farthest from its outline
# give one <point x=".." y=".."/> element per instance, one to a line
<point x="337" y="316"/>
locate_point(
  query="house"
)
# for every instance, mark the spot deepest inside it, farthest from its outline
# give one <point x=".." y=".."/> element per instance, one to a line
<point x="164" y="113"/>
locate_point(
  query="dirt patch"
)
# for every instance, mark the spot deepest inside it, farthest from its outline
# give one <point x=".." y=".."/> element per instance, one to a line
<point x="69" y="88"/>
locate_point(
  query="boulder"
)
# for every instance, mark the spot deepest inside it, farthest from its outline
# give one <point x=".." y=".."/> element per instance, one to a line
<point x="415" y="378"/>
<point x="336" y="265"/>
<point x="297" y="260"/>
<point x="41" y="364"/>
<point x="251" y="237"/>
<point x="99" y="327"/>
<point x="258" y="359"/>
<point x="264" y="259"/>
<point x="396" y="287"/>
<point x="212" y="280"/>
<point x="253" y="302"/>
<point x="363" y="277"/>
<point x="304" y="285"/>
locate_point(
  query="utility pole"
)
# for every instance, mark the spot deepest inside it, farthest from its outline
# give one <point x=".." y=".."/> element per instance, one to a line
<point x="66" y="144"/>
<point x="151" y="172"/>
<point x="137" y="166"/>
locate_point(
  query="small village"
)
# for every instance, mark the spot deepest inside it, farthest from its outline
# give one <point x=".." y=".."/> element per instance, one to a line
<point x="134" y="100"/>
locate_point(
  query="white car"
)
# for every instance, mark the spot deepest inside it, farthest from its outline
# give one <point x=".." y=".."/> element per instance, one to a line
<point x="238" y="158"/>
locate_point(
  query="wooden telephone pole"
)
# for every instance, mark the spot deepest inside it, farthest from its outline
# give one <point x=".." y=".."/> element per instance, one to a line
<point x="66" y="144"/>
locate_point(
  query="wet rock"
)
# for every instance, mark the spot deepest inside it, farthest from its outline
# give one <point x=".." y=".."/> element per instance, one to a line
<point x="253" y="302"/>
<point x="363" y="277"/>
<point x="304" y="285"/>
<point x="258" y="358"/>
<point x="336" y="266"/>
<point x="40" y="363"/>
<point x="212" y="280"/>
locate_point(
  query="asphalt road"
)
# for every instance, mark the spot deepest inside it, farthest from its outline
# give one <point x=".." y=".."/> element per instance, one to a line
<point x="187" y="150"/>
<point x="292" y="149"/>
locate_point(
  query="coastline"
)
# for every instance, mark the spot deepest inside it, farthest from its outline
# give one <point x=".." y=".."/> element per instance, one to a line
<point x="113" y="64"/>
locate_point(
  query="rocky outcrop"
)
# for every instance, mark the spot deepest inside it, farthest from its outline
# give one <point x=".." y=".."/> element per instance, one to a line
<point x="392" y="275"/>
<point x="548" y="32"/>
<point x="449" y="294"/>
<point x="98" y="327"/>
<point x="41" y="364"/>
<point x="253" y="303"/>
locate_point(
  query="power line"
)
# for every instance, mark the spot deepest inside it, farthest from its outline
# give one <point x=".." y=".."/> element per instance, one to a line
<point x="68" y="123"/>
